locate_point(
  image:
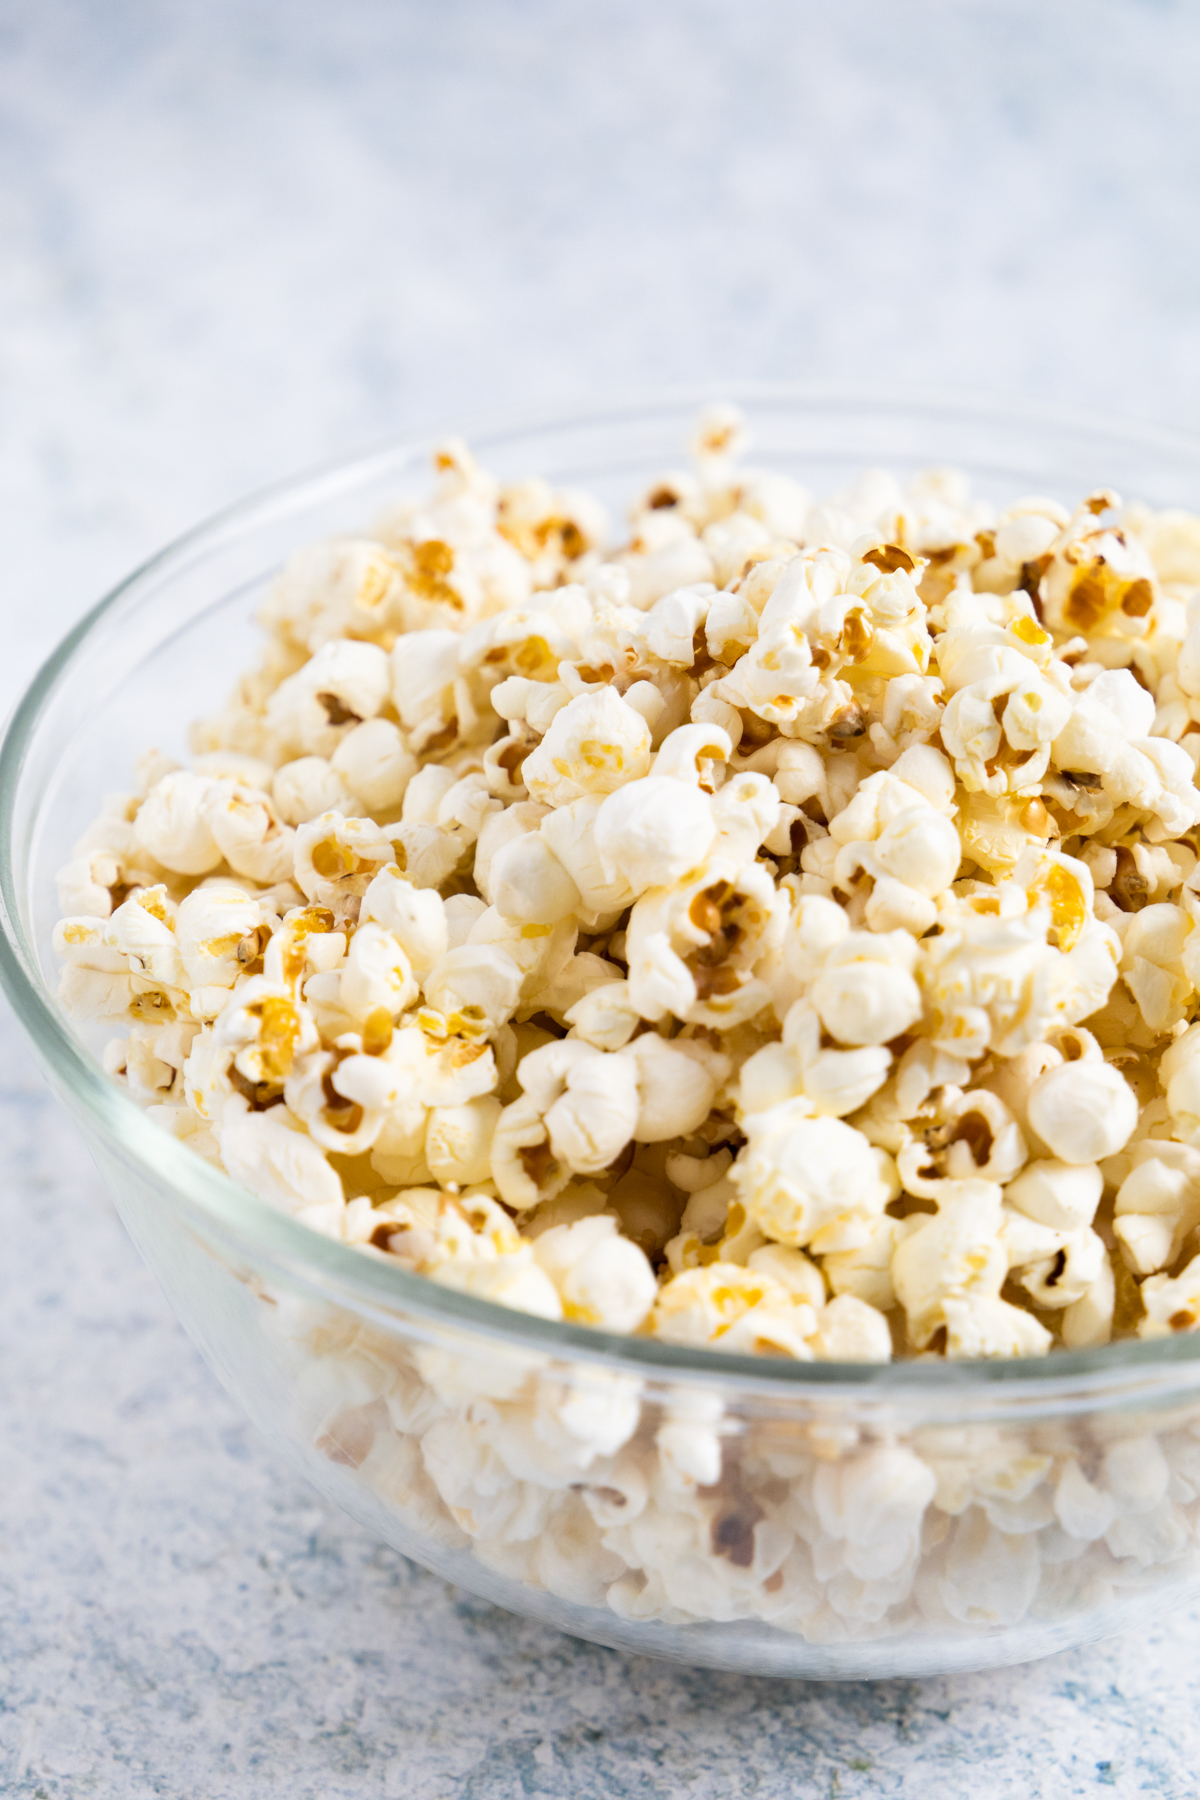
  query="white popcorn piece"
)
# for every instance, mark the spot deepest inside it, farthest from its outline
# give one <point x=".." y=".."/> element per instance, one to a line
<point x="958" y="1256"/>
<point x="425" y="793"/>
<point x="173" y="828"/>
<point x="305" y="942"/>
<point x="342" y="1099"/>
<point x="336" y="859"/>
<point x="677" y="1083"/>
<point x="476" y="978"/>
<point x="652" y="832"/>
<point x="425" y="687"/>
<point x="692" y="947"/>
<point x="375" y="764"/>
<point x="458" y="1140"/>
<point x="524" y="1168"/>
<point x="517" y="820"/>
<point x="262" y="1029"/>
<point x="606" y="1017"/>
<point x="143" y="930"/>
<point x="251" y="838"/>
<point x="836" y="1082"/>
<point x="1157" y="1204"/>
<point x="570" y="832"/>
<point x="88" y="883"/>
<point x="849" y="1329"/>
<point x="89" y="992"/>
<point x="589" y="1102"/>
<point x="427" y="854"/>
<point x="811" y="1183"/>
<point x="602" y="1279"/>
<point x="377" y="974"/>
<point x="529" y="884"/>
<point x="515" y="1281"/>
<point x="1083" y="1111"/>
<point x="741" y="1309"/>
<point x="1171" y="1304"/>
<point x="221" y="933"/>
<point x="460" y="914"/>
<point x="343" y="683"/>
<point x="281" y="1165"/>
<point x="868" y="1000"/>
<point x="696" y="753"/>
<point x="795" y="1271"/>
<point x="308" y="786"/>
<point x="1059" y="1194"/>
<point x="343" y="587"/>
<point x="415" y="917"/>
<point x="594" y="745"/>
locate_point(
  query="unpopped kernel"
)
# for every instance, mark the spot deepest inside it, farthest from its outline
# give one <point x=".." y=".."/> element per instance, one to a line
<point x="774" y="928"/>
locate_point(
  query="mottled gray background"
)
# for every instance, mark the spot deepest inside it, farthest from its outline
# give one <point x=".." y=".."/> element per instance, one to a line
<point x="240" y="236"/>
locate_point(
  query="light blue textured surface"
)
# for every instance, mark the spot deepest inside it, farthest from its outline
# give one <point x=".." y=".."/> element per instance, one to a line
<point x="238" y="238"/>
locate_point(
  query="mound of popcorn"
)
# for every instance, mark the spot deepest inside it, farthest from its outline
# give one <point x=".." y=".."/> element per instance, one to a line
<point x="772" y="928"/>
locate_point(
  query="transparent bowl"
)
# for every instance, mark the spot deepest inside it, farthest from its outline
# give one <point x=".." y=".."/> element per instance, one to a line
<point x="800" y="1519"/>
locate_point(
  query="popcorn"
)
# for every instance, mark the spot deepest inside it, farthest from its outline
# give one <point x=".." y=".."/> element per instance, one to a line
<point x="677" y="1083"/>
<point x="475" y="979"/>
<point x="1100" y="580"/>
<point x="308" y="786"/>
<point x="651" y="832"/>
<point x="95" y="982"/>
<point x="588" y="1100"/>
<point x="249" y="835"/>
<point x="741" y="1309"/>
<point x="606" y="1018"/>
<point x="143" y="930"/>
<point x="949" y="1273"/>
<point x="171" y="825"/>
<point x="1059" y="1194"/>
<point x="337" y="858"/>
<point x="1083" y="1111"/>
<point x="220" y="932"/>
<point x="696" y="754"/>
<point x="692" y="947"/>
<point x="810" y="1181"/>
<point x="280" y="1163"/>
<point x="345" y="587"/>
<point x="377" y="975"/>
<point x="343" y="683"/>
<point x="458" y="1140"/>
<point x="871" y="999"/>
<point x="425" y="685"/>
<point x="654" y="931"/>
<point x="375" y="764"/>
<point x="1171" y="1304"/>
<point x="528" y="883"/>
<point x="1157" y="1205"/>
<point x="570" y="832"/>
<point x="263" y="1029"/>
<point x="415" y="917"/>
<point x="851" y="1330"/>
<point x="602" y="1279"/>
<point x="594" y="745"/>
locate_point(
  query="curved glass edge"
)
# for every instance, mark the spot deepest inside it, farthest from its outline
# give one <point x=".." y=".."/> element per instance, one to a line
<point x="336" y="1271"/>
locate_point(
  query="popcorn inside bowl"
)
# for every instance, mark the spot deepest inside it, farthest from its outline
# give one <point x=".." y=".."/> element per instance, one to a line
<point x="772" y="928"/>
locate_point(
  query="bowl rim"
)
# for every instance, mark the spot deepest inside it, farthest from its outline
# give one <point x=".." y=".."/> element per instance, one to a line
<point x="339" y="1272"/>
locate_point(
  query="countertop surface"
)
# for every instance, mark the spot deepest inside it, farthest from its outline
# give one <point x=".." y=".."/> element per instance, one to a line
<point x="238" y="240"/>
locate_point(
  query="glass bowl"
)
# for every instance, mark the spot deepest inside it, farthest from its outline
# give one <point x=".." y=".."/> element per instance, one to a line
<point x="806" y="1519"/>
